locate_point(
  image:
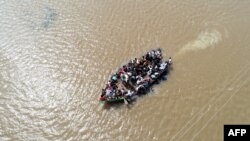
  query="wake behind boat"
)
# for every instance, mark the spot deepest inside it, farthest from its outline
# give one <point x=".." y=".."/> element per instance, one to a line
<point x="136" y="77"/>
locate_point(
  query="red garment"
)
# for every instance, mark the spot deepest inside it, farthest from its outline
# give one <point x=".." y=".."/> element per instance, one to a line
<point x="102" y="98"/>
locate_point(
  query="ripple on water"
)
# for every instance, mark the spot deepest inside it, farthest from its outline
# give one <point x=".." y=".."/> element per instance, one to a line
<point x="204" y="40"/>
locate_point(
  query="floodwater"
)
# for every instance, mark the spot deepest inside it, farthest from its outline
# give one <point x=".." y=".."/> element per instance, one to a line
<point x="55" y="56"/>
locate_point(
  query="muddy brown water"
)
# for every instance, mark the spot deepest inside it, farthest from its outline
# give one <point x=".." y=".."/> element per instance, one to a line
<point x="55" y="56"/>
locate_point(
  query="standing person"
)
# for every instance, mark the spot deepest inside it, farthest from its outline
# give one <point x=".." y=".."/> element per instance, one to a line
<point x="137" y="61"/>
<point x="170" y="61"/>
<point x="103" y="94"/>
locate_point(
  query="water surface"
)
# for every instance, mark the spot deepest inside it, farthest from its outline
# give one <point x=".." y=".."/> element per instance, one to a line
<point x="55" y="56"/>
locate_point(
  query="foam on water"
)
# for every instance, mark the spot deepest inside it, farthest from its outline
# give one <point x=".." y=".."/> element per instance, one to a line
<point x="204" y="40"/>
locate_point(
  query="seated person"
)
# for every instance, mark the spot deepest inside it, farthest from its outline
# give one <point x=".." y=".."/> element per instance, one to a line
<point x="139" y="79"/>
<point x="163" y="65"/>
<point x="114" y="77"/>
<point x="130" y="93"/>
<point x="154" y="75"/>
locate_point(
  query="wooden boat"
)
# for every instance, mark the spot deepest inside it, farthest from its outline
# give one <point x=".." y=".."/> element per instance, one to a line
<point x="135" y="78"/>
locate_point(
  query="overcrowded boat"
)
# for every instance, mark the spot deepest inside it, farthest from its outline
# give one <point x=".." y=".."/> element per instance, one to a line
<point x="136" y="77"/>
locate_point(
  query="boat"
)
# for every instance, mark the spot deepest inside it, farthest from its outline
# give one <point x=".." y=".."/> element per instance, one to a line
<point x="136" y="77"/>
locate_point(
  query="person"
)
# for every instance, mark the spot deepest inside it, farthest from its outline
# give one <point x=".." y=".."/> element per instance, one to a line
<point x="137" y="61"/>
<point x="114" y="77"/>
<point x="130" y="93"/>
<point x="133" y="79"/>
<point x="122" y="91"/>
<point x="156" y="68"/>
<point x="124" y="68"/>
<point x="150" y="69"/>
<point x="108" y="93"/>
<point x="113" y="93"/>
<point x="145" y="63"/>
<point x="124" y="77"/>
<point x="118" y="75"/>
<point x="139" y="79"/>
<point x="138" y="70"/>
<point x="129" y="73"/>
<point x="140" y="89"/>
<point x="148" y="56"/>
<point x="129" y="69"/>
<point x="170" y="61"/>
<point x="113" y="83"/>
<point x="145" y="83"/>
<point x="133" y="61"/>
<point x="120" y="71"/>
<point x="154" y="75"/>
<point x="163" y="66"/>
<point x="151" y="55"/>
<point x="119" y="92"/>
<point x="108" y="85"/>
<point x="158" y="52"/>
<point x="103" y="94"/>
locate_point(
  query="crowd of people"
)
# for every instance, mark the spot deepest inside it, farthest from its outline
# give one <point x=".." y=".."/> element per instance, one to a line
<point x="136" y="76"/>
